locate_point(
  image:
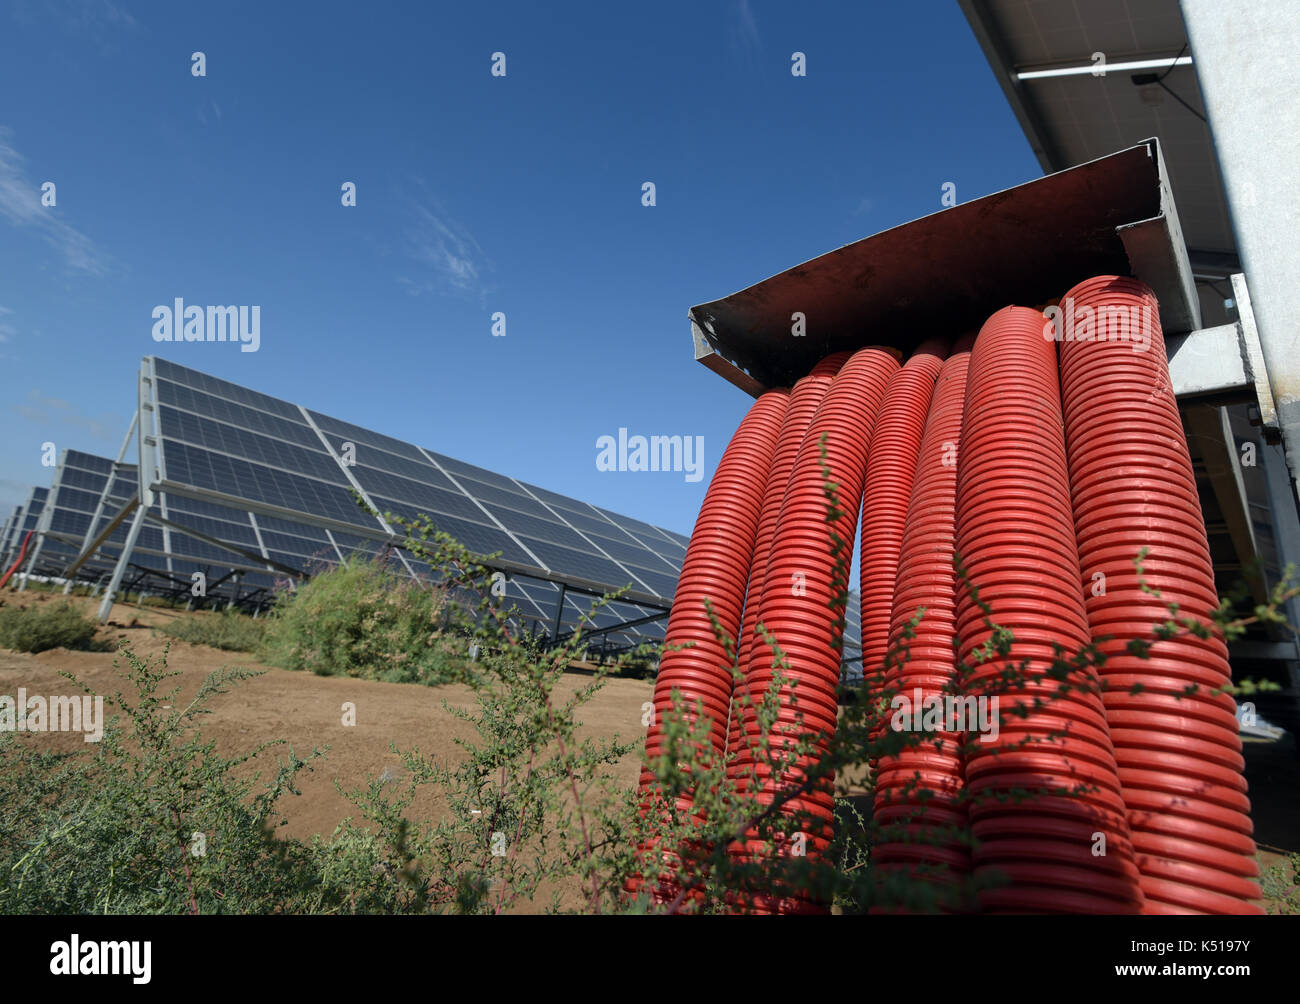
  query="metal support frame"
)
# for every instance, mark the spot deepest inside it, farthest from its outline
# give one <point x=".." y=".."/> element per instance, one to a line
<point x="614" y="628"/>
<point x="106" y="606"/>
<point x="103" y="495"/>
<point x="559" y="612"/>
<point x="166" y="533"/>
<point x="41" y="528"/>
<point x="254" y="560"/>
<point x="1252" y="353"/>
<point x="151" y="470"/>
<point x="1208" y="427"/>
<point x="89" y="550"/>
<point x="356" y="486"/>
<point x="261" y="544"/>
<point x="333" y="543"/>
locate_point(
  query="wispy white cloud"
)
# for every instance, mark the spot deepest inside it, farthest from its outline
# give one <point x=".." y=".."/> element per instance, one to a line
<point x="98" y="23"/>
<point x="80" y="15"/>
<point x="449" y="257"/>
<point x="743" y="31"/>
<point x="20" y="205"/>
<point x="864" y="206"/>
<point x="7" y="331"/>
<point x="205" y="108"/>
<point x="49" y="411"/>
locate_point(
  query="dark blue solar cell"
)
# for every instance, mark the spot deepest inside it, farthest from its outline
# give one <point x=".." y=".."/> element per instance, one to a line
<point x="568" y="561"/>
<point x="356" y="434"/>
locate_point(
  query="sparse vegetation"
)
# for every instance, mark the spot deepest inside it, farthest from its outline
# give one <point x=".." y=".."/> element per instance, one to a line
<point x="228" y="630"/>
<point x="363" y="619"/>
<point x="45" y="625"/>
<point x="1281" y="886"/>
<point x="154" y="821"/>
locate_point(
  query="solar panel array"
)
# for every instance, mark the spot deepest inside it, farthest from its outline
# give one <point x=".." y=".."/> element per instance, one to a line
<point x="7" y="528"/>
<point x="255" y="486"/>
<point x="84" y="485"/>
<point x="11" y="538"/>
<point x="25" y="518"/>
<point x="226" y="439"/>
<point x="7" y="535"/>
<point x="73" y="486"/>
<point x="224" y="449"/>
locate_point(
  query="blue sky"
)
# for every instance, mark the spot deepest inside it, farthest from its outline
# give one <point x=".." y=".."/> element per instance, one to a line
<point x="475" y="194"/>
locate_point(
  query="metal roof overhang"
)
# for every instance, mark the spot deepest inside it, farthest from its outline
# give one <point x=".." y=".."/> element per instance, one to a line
<point x="946" y="273"/>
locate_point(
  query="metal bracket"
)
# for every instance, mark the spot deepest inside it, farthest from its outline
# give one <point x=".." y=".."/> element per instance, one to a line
<point x="1253" y="353"/>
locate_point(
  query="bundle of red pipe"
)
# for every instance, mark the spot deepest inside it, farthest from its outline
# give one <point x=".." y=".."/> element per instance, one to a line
<point x="1040" y="477"/>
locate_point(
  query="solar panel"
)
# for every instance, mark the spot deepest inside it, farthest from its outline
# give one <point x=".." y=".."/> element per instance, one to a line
<point x="12" y="536"/>
<point x="73" y="499"/>
<point x="11" y="545"/>
<point x="7" y="530"/>
<point x="225" y="444"/>
<point x="31" y="512"/>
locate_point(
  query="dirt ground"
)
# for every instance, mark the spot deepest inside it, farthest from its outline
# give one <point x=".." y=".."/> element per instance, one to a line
<point x="307" y="711"/>
<point x="304" y="709"/>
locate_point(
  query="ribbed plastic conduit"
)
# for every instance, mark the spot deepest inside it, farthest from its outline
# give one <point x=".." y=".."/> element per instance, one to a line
<point x="891" y="469"/>
<point x="1179" y="755"/>
<point x="918" y="818"/>
<point x="804" y="402"/>
<point x="1015" y="536"/>
<point x="716" y="567"/>
<point x="799" y="584"/>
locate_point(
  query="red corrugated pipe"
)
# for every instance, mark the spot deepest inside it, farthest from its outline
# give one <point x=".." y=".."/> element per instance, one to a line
<point x="891" y="468"/>
<point x="917" y="793"/>
<point x="804" y="576"/>
<point x="804" y="402"/>
<point x="716" y="569"/>
<point x="1015" y="537"/>
<point x="1179" y="754"/>
<point x="22" y="553"/>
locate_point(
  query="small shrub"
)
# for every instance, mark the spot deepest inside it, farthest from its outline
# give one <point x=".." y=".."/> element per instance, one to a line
<point x="229" y="631"/>
<point x="362" y="619"/>
<point x="44" y="626"/>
